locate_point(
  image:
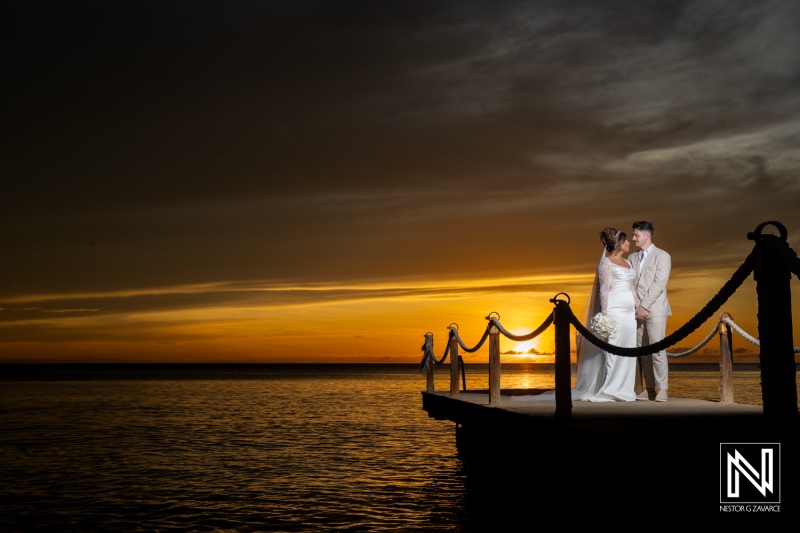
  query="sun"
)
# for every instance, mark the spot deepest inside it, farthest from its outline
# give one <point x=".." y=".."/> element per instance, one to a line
<point x="525" y="346"/>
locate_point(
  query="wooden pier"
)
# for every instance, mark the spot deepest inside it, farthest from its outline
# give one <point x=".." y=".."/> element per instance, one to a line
<point x="620" y="454"/>
<point x="729" y="420"/>
<point x="684" y="422"/>
<point x="663" y="456"/>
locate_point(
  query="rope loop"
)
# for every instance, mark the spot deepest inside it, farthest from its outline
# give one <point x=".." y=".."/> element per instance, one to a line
<point x="477" y="346"/>
<point x="740" y="331"/>
<point x="555" y="299"/>
<point x="755" y="235"/>
<point x="533" y="334"/>
<point x="428" y="354"/>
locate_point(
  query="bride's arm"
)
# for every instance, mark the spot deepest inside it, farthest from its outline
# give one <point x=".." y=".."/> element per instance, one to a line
<point x="603" y="277"/>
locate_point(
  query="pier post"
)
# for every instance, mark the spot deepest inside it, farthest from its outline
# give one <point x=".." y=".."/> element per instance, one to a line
<point x="778" y="372"/>
<point x="454" y="364"/>
<point x="562" y="365"/>
<point x="725" y="364"/>
<point x="494" y="365"/>
<point x="429" y="381"/>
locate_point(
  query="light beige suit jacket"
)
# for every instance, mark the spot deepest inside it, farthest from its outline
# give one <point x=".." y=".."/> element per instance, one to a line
<point x="651" y="283"/>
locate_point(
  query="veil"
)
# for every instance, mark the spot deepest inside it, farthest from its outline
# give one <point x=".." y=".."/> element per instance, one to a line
<point x="587" y="367"/>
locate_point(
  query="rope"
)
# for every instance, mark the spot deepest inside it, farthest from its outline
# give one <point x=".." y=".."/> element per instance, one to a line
<point x="693" y="350"/>
<point x="474" y="348"/>
<point x="790" y="256"/>
<point x="684" y="331"/>
<point x="747" y="336"/>
<point x="428" y="356"/>
<point x="727" y="290"/>
<point x="535" y="333"/>
<point x="427" y="347"/>
<point x="777" y="246"/>
<point x="463" y="373"/>
<point x="741" y="332"/>
<point x="710" y="336"/>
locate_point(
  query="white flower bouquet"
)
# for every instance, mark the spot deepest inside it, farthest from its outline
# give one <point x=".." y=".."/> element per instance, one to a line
<point x="603" y="325"/>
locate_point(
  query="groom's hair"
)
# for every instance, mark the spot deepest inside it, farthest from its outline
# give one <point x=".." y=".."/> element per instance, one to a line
<point x="643" y="225"/>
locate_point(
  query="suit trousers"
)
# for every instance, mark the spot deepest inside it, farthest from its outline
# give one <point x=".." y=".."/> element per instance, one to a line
<point x="655" y="366"/>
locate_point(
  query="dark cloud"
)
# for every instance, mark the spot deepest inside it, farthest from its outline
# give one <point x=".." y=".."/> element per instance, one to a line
<point x="242" y="295"/>
<point x="169" y="144"/>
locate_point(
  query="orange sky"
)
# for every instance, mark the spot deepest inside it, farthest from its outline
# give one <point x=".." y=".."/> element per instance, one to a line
<point x="370" y="323"/>
<point x="282" y="182"/>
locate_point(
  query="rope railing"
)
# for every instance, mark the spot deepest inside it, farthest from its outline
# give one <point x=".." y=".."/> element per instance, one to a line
<point x="734" y="327"/>
<point x="684" y="331"/>
<point x="427" y="347"/>
<point x="521" y="338"/>
<point x="744" y="270"/>
<point x="696" y="348"/>
<point x="474" y="348"/>
<point x="730" y="287"/>
<point x="746" y="335"/>
<point x="771" y="261"/>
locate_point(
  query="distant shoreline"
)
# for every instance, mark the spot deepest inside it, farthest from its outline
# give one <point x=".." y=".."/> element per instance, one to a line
<point x="225" y="371"/>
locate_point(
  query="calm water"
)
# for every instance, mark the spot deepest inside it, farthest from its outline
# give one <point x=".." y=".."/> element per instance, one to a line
<point x="249" y="447"/>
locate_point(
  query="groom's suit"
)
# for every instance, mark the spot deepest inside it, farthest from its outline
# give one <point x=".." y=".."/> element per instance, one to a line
<point x="651" y="287"/>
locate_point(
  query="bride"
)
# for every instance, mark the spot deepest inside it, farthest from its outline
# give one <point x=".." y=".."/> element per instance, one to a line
<point x="603" y="376"/>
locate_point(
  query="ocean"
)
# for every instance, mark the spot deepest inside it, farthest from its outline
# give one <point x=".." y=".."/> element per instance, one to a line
<point x="252" y="447"/>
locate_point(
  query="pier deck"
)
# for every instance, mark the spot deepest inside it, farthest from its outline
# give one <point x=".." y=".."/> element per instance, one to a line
<point x="632" y="448"/>
<point x="625" y="417"/>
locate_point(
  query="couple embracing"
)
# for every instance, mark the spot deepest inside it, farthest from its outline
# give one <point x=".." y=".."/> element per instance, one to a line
<point x="631" y="288"/>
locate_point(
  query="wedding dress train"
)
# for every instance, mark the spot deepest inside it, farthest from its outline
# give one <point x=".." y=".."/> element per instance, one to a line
<point x="603" y="376"/>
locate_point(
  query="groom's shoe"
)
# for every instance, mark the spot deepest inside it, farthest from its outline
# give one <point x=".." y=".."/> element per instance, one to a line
<point x="662" y="395"/>
<point x="646" y="395"/>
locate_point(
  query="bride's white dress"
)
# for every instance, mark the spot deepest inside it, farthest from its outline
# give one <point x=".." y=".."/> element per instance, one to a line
<point x="604" y="376"/>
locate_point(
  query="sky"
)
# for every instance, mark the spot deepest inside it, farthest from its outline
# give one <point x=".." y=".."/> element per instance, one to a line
<point x="328" y="181"/>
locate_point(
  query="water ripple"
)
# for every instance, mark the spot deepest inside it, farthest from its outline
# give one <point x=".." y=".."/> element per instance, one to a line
<point x="321" y="450"/>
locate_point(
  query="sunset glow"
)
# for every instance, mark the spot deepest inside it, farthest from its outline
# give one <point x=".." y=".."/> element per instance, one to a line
<point x="352" y="323"/>
<point x="281" y="182"/>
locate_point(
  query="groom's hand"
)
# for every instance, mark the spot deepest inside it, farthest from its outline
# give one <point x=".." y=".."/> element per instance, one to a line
<point x="641" y="313"/>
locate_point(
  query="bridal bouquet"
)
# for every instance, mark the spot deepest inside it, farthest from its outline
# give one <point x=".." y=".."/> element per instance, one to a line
<point x="603" y="325"/>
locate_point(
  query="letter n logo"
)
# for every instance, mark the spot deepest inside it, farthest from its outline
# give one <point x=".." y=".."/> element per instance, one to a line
<point x="750" y="473"/>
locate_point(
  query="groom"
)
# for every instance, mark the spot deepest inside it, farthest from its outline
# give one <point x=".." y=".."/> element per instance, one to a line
<point x="652" y="266"/>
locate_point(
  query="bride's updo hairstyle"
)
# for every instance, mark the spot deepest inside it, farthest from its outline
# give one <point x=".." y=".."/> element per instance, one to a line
<point x="612" y="238"/>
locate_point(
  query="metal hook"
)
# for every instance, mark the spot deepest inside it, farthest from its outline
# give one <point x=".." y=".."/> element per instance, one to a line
<point x="755" y="235"/>
<point x="555" y="300"/>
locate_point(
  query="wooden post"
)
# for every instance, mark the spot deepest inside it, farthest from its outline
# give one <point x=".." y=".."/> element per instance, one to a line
<point x="778" y="371"/>
<point x="454" y="366"/>
<point x="563" y="378"/>
<point x="725" y="364"/>
<point x="429" y="377"/>
<point x="494" y="365"/>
